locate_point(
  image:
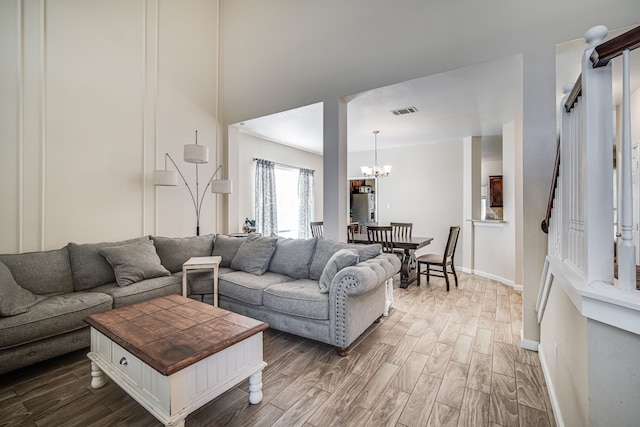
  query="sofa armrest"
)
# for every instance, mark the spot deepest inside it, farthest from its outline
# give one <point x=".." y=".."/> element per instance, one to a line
<point x="367" y="275"/>
<point x="357" y="297"/>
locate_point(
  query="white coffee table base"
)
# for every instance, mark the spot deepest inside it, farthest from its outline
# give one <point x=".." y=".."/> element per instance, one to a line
<point x="171" y="398"/>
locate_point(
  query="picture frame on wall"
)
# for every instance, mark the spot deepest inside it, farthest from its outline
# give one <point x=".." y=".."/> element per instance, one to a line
<point x="495" y="191"/>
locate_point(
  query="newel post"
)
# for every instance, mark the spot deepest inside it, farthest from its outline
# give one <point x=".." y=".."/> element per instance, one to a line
<point x="597" y="135"/>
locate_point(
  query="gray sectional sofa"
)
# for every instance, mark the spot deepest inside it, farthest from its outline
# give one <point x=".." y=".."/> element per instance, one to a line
<point x="316" y="288"/>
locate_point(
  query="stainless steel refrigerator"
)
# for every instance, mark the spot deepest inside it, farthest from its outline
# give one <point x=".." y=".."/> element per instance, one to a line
<point x="363" y="207"/>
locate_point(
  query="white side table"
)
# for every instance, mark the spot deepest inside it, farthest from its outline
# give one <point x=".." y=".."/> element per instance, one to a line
<point x="202" y="263"/>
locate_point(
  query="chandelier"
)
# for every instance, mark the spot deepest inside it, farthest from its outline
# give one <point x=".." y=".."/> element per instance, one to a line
<point x="376" y="171"/>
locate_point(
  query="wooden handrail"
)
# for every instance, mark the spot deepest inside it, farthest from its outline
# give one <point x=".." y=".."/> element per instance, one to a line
<point x="574" y="94"/>
<point x="552" y="192"/>
<point x="601" y="56"/>
<point x="608" y="50"/>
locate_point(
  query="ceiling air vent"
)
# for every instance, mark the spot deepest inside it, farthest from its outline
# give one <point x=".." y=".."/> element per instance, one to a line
<point x="403" y="111"/>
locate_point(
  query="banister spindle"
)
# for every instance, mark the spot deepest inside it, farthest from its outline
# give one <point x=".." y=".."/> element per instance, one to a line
<point x="626" y="248"/>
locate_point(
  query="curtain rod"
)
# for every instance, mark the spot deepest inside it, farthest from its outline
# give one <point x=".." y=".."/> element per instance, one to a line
<point x="282" y="164"/>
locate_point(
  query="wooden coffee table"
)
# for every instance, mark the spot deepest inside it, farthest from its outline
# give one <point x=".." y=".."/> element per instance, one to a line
<point x="174" y="354"/>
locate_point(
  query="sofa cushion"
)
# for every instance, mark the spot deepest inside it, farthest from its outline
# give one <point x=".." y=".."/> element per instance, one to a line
<point x="226" y="247"/>
<point x="174" y="251"/>
<point x="134" y="262"/>
<point x="14" y="300"/>
<point x="89" y="268"/>
<point x="53" y="316"/>
<point x="339" y="260"/>
<point x="300" y="298"/>
<point x="254" y="254"/>
<point x="141" y="291"/>
<point x="46" y="272"/>
<point x="292" y="257"/>
<point x="246" y="287"/>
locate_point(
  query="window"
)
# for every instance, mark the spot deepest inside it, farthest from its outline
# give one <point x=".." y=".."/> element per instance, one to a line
<point x="287" y="199"/>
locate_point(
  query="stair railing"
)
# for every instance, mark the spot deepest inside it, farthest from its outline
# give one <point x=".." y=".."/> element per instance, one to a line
<point x="579" y="217"/>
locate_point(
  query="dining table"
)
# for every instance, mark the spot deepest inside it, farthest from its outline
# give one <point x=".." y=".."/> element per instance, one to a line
<point x="407" y="244"/>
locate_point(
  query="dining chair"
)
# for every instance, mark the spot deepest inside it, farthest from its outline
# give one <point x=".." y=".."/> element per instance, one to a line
<point x="403" y="230"/>
<point x="351" y="231"/>
<point x="440" y="262"/>
<point x="381" y="234"/>
<point x="317" y="228"/>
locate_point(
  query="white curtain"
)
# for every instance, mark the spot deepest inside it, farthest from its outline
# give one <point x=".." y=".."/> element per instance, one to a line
<point x="305" y="196"/>
<point x="266" y="206"/>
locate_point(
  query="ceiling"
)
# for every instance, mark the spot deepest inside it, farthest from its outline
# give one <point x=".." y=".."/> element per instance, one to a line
<point x="471" y="101"/>
<point x="475" y="100"/>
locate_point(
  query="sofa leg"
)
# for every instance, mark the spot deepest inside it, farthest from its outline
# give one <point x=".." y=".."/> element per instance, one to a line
<point x="378" y="319"/>
<point x="342" y="351"/>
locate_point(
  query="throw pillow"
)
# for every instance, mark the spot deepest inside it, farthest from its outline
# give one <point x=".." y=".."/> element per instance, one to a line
<point x="89" y="268"/>
<point x="292" y="257"/>
<point x="174" y="251"/>
<point x="324" y="249"/>
<point x="366" y="252"/>
<point x="134" y="262"/>
<point x="339" y="260"/>
<point x="254" y="254"/>
<point x="226" y="247"/>
<point x="15" y="299"/>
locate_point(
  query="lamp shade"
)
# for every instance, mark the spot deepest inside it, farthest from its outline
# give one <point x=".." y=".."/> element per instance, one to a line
<point x="165" y="177"/>
<point x="222" y="186"/>
<point x="194" y="153"/>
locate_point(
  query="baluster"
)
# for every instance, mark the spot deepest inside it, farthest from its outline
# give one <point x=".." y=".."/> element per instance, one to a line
<point x="626" y="248"/>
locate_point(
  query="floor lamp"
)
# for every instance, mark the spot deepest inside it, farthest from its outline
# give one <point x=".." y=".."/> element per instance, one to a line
<point x="197" y="154"/>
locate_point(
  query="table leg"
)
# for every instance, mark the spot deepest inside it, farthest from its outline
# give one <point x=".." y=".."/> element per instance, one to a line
<point x="405" y="271"/>
<point x="389" y="298"/>
<point x="97" y="376"/>
<point x="215" y="286"/>
<point x="255" y="388"/>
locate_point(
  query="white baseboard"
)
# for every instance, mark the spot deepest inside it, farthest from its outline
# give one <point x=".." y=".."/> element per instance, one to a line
<point x="491" y="276"/>
<point x="552" y="391"/>
<point x="528" y="344"/>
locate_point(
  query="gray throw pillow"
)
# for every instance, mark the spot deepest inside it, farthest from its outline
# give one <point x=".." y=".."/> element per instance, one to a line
<point x="339" y="260"/>
<point x="254" y="254"/>
<point x="324" y="249"/>
<point x="366" y="252"/>
<point x="89" y="268"/>
<point x="292" y="257"/>
<point x="174" y="251"/>
<point x="226" y="247"/>
<point x="15" y="299"/>
<point x="134" y="262"/>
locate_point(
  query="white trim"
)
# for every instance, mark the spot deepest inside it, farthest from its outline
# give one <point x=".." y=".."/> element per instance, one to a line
<point x="553" y="397"/>
<point x="528" y="344"/>
<point x="488" y="223"/>
<point x="545" y="287"/>
<point x="490" y="276"/>
<point x="20" y="126"/>
<point x="599" y="301"/>
<point x="43" y="123"/>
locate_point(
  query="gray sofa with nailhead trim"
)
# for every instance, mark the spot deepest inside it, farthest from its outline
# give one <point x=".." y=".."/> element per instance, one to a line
<point x="45" y="296"/>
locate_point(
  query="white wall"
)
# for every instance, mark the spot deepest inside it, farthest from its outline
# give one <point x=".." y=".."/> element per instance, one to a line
<point x="613" y="375"/>
<point x="93" y="94"/>
<point x="250" y="147"/>
<point x="281" y="54"/>
<point x="424" y="187"/>
<point x="564" y="327"/>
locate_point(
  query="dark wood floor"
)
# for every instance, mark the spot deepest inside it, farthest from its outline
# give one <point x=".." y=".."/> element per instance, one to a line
<point x="439" y="359"/>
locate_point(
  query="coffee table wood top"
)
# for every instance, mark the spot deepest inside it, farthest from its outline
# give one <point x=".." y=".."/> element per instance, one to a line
<point x="173" y="332"/>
